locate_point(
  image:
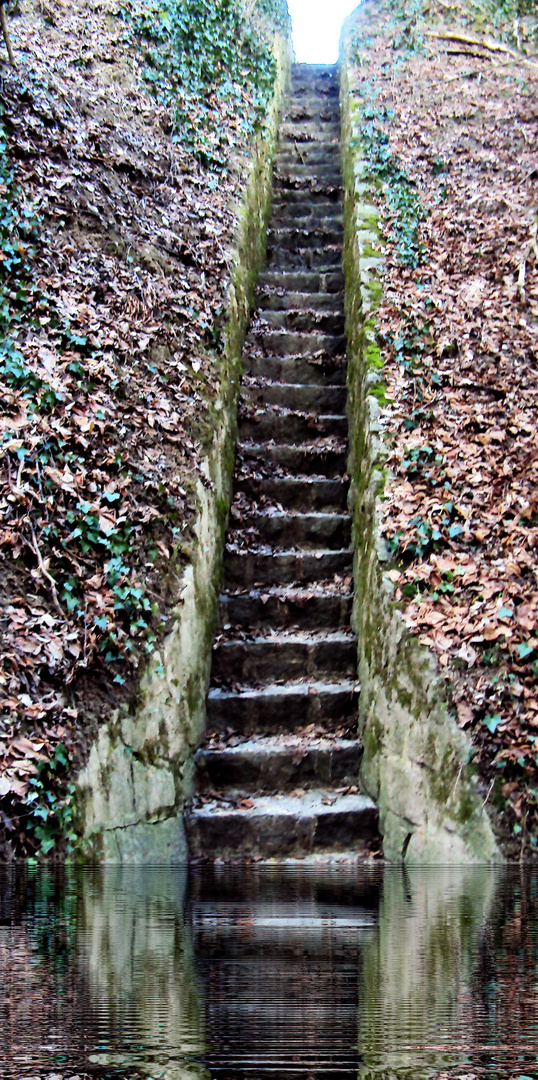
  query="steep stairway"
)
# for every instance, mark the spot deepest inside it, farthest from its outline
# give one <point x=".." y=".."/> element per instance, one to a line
<point x="277" y="774"/>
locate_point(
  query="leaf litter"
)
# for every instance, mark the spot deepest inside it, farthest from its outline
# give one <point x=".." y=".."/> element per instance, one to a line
<point x="458" y="331"/>
<point x="115" y="265"/>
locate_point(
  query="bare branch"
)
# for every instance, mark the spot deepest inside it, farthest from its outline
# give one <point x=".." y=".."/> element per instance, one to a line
<point x="5" y="33"/>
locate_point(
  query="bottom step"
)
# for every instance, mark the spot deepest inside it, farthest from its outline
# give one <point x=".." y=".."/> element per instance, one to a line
<point x="280" y="826"/>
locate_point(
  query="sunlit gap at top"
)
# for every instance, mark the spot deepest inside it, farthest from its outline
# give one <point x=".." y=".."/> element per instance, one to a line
<point x="317" y="25"/>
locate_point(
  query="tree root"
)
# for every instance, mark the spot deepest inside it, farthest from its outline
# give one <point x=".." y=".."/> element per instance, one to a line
<point x="490" y="46"/>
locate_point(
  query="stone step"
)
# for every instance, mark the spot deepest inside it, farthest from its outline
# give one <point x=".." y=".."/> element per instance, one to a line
<point x="279" y="826"/>
<point x="276" y="763"/>
<point x="327" y="259"/>
<point x="287" y="528"/>
<point x="316" y="97"/>
<point x="308" y="459"/>
<point x="302" y="319"/>
<point x="299" y="396"/>
<point x="296" y="369"/>
<point x="287" y="426"/>
<point x="281" y="708"/>
<point x="282" y="301"/>
<point x="315" y="281"/>
<point x="246" y="569"/>
<point x="309" y="187"/>
<point x="312" y="152"/>
<point x="307" y="196"/>
<point x="299" y="126"/>
<point x="294" y="239"/>
<point x="304" y="216"/>
<point x="278" y="606"/>
<point x="327" y="170"/>
<point x="279" y="342"/>
<point x="284" y="656"/>
<point x="297" y="492"/>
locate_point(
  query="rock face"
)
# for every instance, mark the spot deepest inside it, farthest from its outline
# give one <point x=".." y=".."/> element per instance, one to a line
<point x="277" y="774"/>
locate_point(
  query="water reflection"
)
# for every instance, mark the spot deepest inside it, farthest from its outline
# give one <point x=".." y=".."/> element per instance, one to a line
<point x="247" y="972"/>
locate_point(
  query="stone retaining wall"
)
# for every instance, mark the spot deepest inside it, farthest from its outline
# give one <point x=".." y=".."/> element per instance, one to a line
<point x="139" y="772"/>
<point x="416" y="759"/>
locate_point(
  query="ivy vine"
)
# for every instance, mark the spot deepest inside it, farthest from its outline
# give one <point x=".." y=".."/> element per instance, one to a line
<point x="213" y="65"/>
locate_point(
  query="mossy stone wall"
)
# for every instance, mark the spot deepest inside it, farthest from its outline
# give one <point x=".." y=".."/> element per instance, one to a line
<point x="140" y="769"/>
<point x="416" y="762"/>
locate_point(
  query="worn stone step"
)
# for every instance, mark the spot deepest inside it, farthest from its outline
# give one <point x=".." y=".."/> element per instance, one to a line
<point x="246" y="569"/>
<point x="308" y="187"/>
<point x="297" y="239"/>
<point x="308" y="217"/>
<point x="304" y="320"/>
<point x="293" y="205"/>
<point x="284" y="656"/>
<point x="311" y="95"/>
<point x="297" y="369"/>
<point x="313" y="152"/>
<point x="328" y="258"/>
<point x="287" y="426"/>
<point x="280" y="342"/>
<point x="322" y="161"/>
<point x="282" y="301"/>
<point x="286" y="528"/>
<point x="297" y="492"/>
<point x="327" y="169"/>
<point x="308" y="459"/>
<point x="281" y="606"/>
<point x="305" y="99"/>
<point x="275" y="299"/>
<point x="300" y="396"/>
<point x="281" y="708"/>
<point x="269" y="763"/>
<point x="279" y="826"/>
<point x="316" y="281"/>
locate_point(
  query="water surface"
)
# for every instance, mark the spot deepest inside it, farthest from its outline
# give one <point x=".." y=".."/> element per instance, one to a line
<point x="246" y="973"/>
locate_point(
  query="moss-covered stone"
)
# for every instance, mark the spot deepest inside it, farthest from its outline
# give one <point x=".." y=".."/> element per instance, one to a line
<point x="416" y="760"/>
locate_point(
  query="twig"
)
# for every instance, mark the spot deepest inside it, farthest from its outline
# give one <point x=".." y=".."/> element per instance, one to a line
<point x="521" y="279"/>
<point x="19" y="476"/>
<point x="5" y="33"/>
<point x="45" y="573"/>
<point x="490" y="789"/>
<point x="458" y="778"/>
<point x="491" y="46"/>
<point x="531" y="247"/>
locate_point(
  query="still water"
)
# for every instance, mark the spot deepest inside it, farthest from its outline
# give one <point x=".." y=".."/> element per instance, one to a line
<point x="245" y="973"/>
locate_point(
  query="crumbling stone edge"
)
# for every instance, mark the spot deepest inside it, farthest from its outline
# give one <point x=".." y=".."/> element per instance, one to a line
<point x="417" y="762"/>
<point x="140" y="768"/>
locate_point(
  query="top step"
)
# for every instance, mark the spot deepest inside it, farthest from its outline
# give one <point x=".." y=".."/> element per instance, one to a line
<point x="315" y="77"/>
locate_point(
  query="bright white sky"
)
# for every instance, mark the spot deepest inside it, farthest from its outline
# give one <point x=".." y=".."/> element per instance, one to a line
<point x="316" y="28"/>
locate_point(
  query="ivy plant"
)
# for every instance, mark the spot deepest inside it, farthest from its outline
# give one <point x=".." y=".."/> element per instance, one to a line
<point x="213" y="66"/>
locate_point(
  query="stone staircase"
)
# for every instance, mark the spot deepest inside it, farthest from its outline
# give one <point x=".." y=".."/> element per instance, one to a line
<point x="277" y="774"/>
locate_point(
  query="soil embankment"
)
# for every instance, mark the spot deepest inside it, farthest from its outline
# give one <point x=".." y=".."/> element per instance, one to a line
<point x="444" y="100"/>
<point x="122" y="176"/>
